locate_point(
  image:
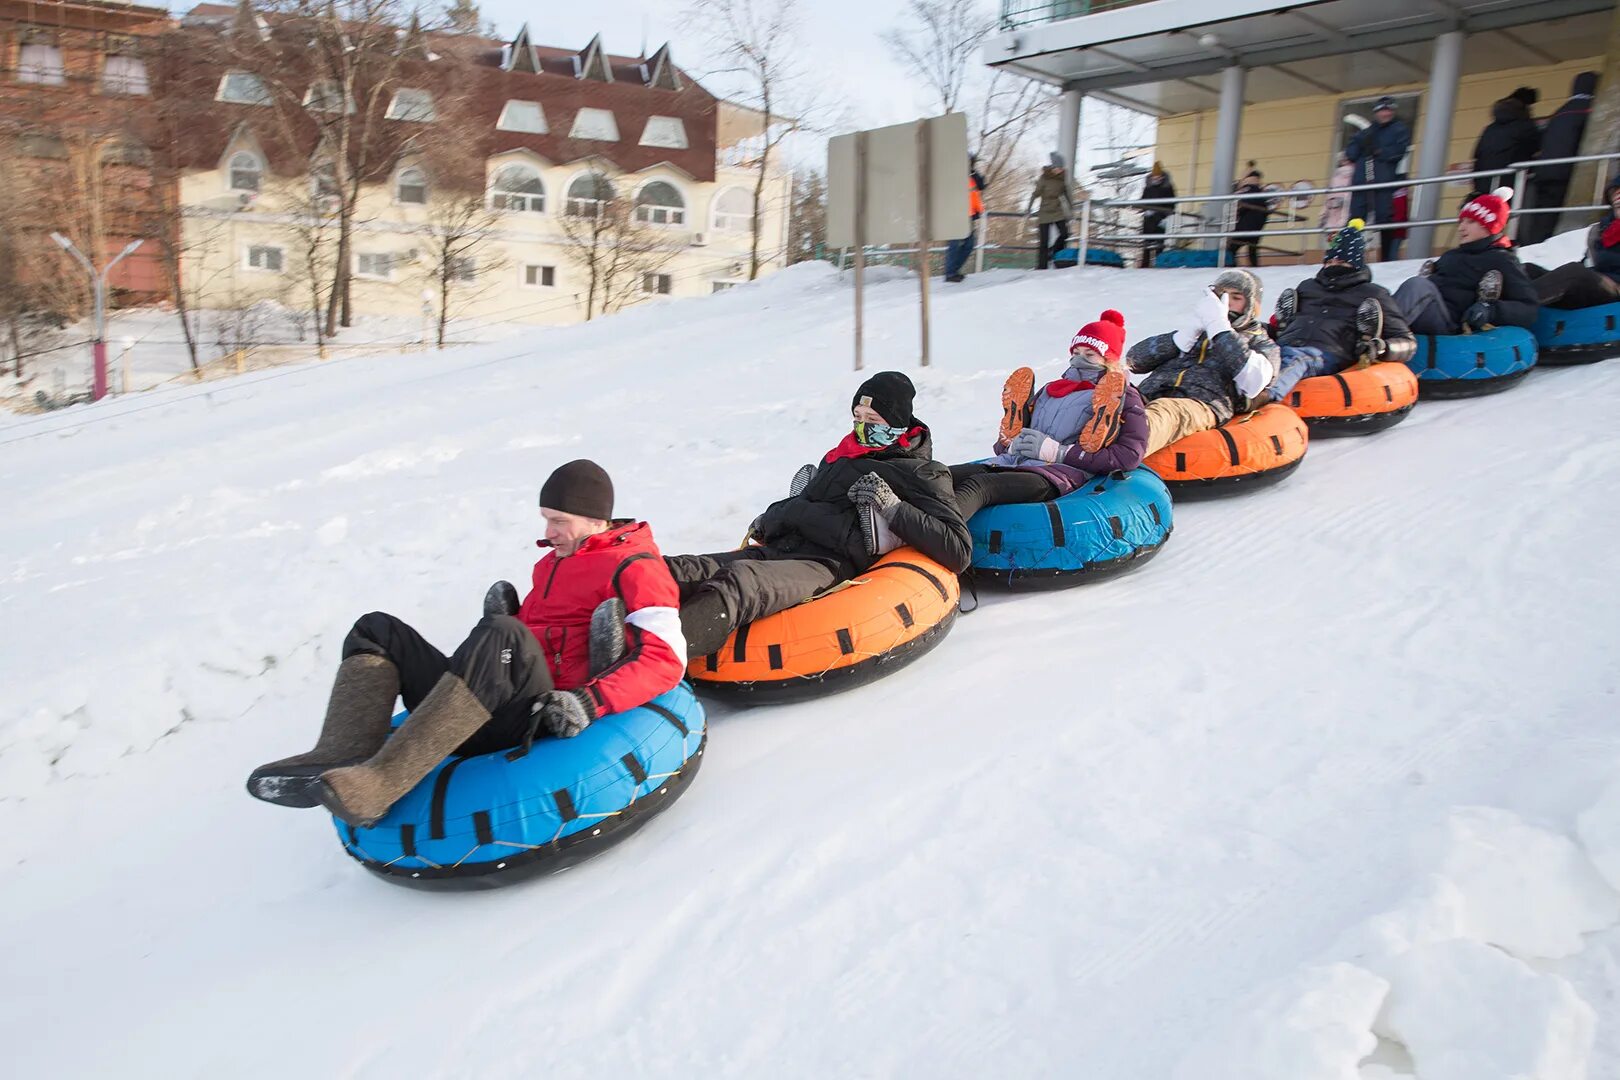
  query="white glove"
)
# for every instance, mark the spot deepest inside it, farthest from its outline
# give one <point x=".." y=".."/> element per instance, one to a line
<point x="1254" y="376"/>
<point x="1035" y="446"/>
<point x="1210" y="311"/>
<point x="1186" y="339"/>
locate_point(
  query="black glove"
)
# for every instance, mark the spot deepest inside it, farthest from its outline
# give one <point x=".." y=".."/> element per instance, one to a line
<point x="1479" y="315"/>
<point x="502" y="599"/>
<point x="562" y="714"/>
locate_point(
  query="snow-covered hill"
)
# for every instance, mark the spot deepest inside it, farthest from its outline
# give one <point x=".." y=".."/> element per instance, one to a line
<point x="1316" y="769"/>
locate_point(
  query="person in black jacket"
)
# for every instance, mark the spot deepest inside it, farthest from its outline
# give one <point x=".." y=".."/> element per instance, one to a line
<point x="1477" y="284"/>
<point x="1577" y="285"/>
<point x="1561" y="138"/>
<point x="1323" y="324"/>
<point x="1250" y="218"/>
<point x="1376" y="152"/>
<point x="1157" y="186"/>
<point x="1510" y="136"/>
<point x="878" y="489"/>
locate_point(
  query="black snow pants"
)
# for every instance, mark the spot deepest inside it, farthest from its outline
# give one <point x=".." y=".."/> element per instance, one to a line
<point x="500" y="662"/>
<point x="1575" y="286"/>
<point x="753" y="582"/>
<point x="979" y="486"/>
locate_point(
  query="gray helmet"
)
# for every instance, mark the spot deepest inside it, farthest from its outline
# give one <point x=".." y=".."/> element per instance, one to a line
<point x="1249" y="286"/>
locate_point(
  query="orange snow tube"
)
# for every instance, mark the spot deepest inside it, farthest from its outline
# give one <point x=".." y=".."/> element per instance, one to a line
<point x="859" y="631"/>
<point x="1356" y="402"/>
<point x="1248" y="451"/>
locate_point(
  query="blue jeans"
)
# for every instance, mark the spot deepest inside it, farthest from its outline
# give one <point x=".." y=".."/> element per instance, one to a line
<point x="1303" y="362"/>
<point x="957" y="253"/>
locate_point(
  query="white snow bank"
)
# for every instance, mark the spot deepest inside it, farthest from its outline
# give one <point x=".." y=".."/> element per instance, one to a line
<point x="1598" y="827"/>
<point x="1467" y="1011"/>
<point x="1315" y="1025"/>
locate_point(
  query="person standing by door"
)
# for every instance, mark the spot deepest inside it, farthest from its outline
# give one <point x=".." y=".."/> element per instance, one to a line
<point x="1376" y="151"/>
<point x="1053" y="208"/>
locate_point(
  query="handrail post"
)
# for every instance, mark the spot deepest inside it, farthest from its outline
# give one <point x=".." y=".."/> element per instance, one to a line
<point x="1085" y="233"/>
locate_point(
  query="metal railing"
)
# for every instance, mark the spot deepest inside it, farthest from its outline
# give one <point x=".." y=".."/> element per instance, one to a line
<point x="1020" y="13"/>
<point x="1520" y="170"/>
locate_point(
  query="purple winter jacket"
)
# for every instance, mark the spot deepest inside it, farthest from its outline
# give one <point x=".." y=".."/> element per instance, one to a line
<point x="1123" y="454"/>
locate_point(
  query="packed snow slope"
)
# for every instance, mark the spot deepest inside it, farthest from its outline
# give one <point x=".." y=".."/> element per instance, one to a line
<point x="1071" y="841"/>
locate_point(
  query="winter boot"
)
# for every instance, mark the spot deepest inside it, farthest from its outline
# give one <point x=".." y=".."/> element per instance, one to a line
<point x="1370" y="328"/>
<point x="1287" y="307"/>
<point x="1490" y="287"/>
<point x="1427" y="270"/>
<point x="867" y="515"/>
<point x="1103" y="425"/>
<point x="362" y="794"/>
<point x="502" y="599"/>
<point x="607" y="635"/>
<point x="356" y="724"/>
<point x="705" y="623"/>
<point x="1017" y="402"/>
<point x="801" y="480"/>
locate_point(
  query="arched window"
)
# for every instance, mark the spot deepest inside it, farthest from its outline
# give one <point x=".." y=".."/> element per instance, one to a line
<point x="660" y="204"/>
<point x="411" y="186"/>
<point x="734" y="210"/>
<point x="588" y="194"/>
<point x="518" y="187"/>
<point x="246" y="171"/>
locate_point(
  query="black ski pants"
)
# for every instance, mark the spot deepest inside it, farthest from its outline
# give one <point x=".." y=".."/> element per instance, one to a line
<point x="1054" y="236"/>
<point x="1576" y="286"/>
<point x="979" y="486"/>
<point x="751" y="582"/>
<point x="500" y="662"/>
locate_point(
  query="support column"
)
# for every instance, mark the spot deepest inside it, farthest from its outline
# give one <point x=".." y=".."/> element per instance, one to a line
<point x="1439" y="106"/>
<point x="1228" y="125"/>
<point x="1069" y="131"/>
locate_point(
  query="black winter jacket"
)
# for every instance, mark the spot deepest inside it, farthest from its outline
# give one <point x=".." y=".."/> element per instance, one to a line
<point x="1326" y="315"/>
<point x="1204" y="372"/>
<point x="1510" y="136"/>
<point x="1457" y="274"/>
<point x="1251" y="214"/>
<point x="820" y="523"/>
<point x="1565" y="129"/>
<point x="1377" y="150"/>
<point x="1162" y="188"/>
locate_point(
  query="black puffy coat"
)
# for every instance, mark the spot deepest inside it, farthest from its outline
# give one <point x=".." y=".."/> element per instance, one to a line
<point x="820" y="523"/>
<point x="1160" y="188"/>
<point x="1326" y="314"/>
<point x="1251" y="214"/>
<point x="1510" y="136"/>
<point x="1566" y="127"/>
<point x="1457" y="274"/>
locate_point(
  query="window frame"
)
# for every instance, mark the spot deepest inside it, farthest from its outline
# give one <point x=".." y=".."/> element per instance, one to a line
<point x="347" y="106"/>
<point x="660" y="215"/>
<point x="400" y="185"/>
<point x="391" y="256"/>
<point x="139" y="62"/>
<point x="224" y="80"/>
<point x="540" y="109"/>
<point x="281" y="258"/>
<point x="569" y="199"/>
<point x="596" y="113"/>
<point x="501" y="198"/>
<point x="393" y="103"/>
<point x="32" y="74"/>
<point x="715" y="213"/>
<point x="657" y="283"/>
<point x="463" y="269"/>
<point x="545" y="270"/>
<point x="258" y="172"/>
<point x="685" y="142"/>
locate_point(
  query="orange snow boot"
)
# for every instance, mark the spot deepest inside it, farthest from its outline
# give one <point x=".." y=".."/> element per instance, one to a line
<point x="1017" y="402"/>
<point x="1103" y="426"/>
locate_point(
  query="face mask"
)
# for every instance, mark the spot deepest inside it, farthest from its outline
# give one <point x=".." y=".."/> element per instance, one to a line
<point x="1086" y="368"/>
<point x="877" y="434"/>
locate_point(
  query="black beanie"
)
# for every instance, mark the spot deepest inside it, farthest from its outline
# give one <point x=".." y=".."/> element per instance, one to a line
<point x="580" y="487"/>
<point x="891" y="394"/>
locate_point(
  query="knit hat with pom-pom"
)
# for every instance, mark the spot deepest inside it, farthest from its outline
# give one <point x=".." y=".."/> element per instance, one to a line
<point x="1490" y="210"/>
<point x="1348" y="245"/>
<point x="1106" y="336"/>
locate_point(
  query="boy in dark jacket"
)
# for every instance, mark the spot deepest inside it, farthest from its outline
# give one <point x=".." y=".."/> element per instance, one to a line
<point x="1200" y="375"/>
<point x="1560" y="139"/>
<point x="1510" y="136"/>
<point x="1376" y="151"/>
<point x="1338" y="319"/>
<point x="1477" y="284"/>
<point x="1090" y="422"/>
<point x="1579" y="285"/>
<point x="877" y="489"/>
<point x="597" y="634"/>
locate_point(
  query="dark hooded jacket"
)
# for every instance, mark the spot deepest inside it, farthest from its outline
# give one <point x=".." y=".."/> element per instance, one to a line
<point x="1510" y="136"/>
<point x="820" y="523"/>
<point x="1457" y="274"/>
<point x="1205" y="371"/>
<point x="1377" y="149"/>
<point x="1326" y="314"/>
<point x="1566" y="127"/>
<point x="1158" y="187"/>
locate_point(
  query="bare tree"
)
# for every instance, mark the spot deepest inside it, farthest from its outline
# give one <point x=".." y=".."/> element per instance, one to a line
<point x="807" y="221"/>
<point x="615" y="252"/>
<point x="459" y="265"/>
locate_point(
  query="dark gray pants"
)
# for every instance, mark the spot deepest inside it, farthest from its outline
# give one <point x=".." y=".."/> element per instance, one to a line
<point x="500" y="661"/>
<point x="1576" y="286"/>
<point x="754" y="582"/>
<point x="979" y="486"/>
<point x="1425" y="309"/>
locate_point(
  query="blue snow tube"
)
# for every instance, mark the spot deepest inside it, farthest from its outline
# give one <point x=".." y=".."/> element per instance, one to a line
<point x="1579" y="336"/>
<point x="479" y="822"/>
<point x="1468" y="365"/>
<point x="1104" y="527"/>
<point x="1198" y="258"/>
<point x="1094" y="257"/>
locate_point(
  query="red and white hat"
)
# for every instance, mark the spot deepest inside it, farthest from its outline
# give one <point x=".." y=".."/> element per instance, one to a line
<point x="1490" y="210"/>
<point x="1106" y="336"/>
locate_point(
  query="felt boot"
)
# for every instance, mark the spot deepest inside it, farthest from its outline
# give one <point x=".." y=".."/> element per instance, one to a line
<point x="706" y="623"/>
<point x="362" y="794"/>
<point x="356" y="725"/>
<point x="1370" y="329"/>
<point x="607" y="635"/>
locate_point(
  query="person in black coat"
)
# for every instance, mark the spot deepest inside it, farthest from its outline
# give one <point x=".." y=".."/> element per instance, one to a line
<point x="1510" y="136"/>
<point x="1596" y="280"/>
<point x="1376" y="152"/>
<point x="1560" y="139"/>
<point x="1250" y="219"/>
<point x="1460" y="290"/>
<point x="1157" y="186"/>
<point x="878" y="489"/>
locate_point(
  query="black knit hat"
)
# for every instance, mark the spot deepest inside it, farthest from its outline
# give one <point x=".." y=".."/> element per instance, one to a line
<point x="580" y="487"/>
<point x="891" y="394"/>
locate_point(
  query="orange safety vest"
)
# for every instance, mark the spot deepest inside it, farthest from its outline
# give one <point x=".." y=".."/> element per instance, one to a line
<point x="975" y="200"/>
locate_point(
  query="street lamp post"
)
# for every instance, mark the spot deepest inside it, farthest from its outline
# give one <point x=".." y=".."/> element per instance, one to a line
<point x="98" y="284"/>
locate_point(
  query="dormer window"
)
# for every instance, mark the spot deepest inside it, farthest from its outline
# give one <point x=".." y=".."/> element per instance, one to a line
<point x="596" y="124"/>
<point x="525" y="116"/>
<point x="412" y="105"/>
<point x="125" y="75"/>
<point x="325" y="96"/>
<point x="246" y="171"/>
<point x="411" y="187"/>
<point x="593" y="63"/>
<point x="665" y="131"/>
<point x="41" y="64"/>
<point x="242" y="88"/>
